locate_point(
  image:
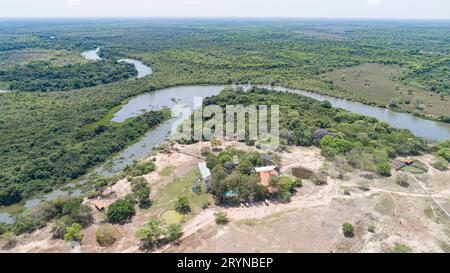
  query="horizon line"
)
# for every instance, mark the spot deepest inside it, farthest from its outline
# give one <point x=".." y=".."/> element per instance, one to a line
<point x="225" y="17"/>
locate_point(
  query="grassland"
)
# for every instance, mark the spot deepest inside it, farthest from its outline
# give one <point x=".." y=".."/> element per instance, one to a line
<point x="181" y="186"/>
<point x="382" y="85"/>
<point x="53" y="57"/>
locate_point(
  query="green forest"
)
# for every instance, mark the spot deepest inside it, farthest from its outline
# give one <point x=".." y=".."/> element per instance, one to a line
<point x="40" y="76"/>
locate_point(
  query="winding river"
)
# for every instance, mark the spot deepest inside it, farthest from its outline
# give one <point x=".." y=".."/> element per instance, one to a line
<point x="170" y="97"/>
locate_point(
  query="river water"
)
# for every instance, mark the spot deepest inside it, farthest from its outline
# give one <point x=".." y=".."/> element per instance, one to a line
<point x="170" y="97"/>
<point x="142" y="69"/>
<point x="92" y="54"/>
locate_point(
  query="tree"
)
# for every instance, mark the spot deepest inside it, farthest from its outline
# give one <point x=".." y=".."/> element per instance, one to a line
<point x="73" y="232"/>
<point x="120" y="211"/>
<point x="348" y="230"/>
<point x="174" y="232"/>
<point x="331" y="146"/>
<point x="221" y="218"/>
<point x="182" y="205"/>
<point x="141" y="191"/>
<point x="245" y="167"/>
<point x="445" y="153"/>
<point x="211" y="161"/>
<point x="151" y="234"/>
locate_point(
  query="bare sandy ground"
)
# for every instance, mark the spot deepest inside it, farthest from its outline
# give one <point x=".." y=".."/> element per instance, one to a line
<point x="311" y="222"/>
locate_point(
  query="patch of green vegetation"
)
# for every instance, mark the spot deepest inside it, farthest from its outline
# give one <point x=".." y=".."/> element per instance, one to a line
<point x="172" y="217"/>
<point x="106" y="119"/>
<point x="4" y="85"/>
<point x="401" y="248"/>
<point x="429" y="212"/>
<point x="167" y="198"/>
<point x="167" y="171"/>
<point x="413" y="170"/>
<point x="222" y="218"/>
<point x="383" y="85"/>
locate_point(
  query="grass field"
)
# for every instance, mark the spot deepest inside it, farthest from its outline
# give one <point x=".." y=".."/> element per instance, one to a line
<point x="165" y="200"/>
<point x="4" y="86"/>
<point x="382" y="85"/>
<point x="55" y="57"/>
<point x="167" y="171"/>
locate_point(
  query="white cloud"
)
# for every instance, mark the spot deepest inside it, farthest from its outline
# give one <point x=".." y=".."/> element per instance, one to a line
<point x="73" y="3"/>
<point x="372" y="3"/>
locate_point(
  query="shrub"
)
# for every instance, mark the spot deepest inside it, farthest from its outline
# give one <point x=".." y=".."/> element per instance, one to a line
<point x="26" y="224"/>
<point x="211" y="161"/>
<point x="384" y="168"/>
<point x="445" y="153"/>
<point x="320" y="178"/>
<point x="141" y="191"/>
<point x="440" y="163"/>
<point x="59" y="227"/>
<point x="152" y="234"/>
<point x="182" y="205"/>
<point x="215" y="144"/>
<point x="371" y="228"/>
<point x="3" y="228"/>
<point x="174" y="232"/>
<point x="400" y="248"/>
<point x="9" y="240"/>
<point x="348" y="230"/>
<point x="120" y="211"/>
<point x="221" y="218"/>
<point x="140" y="168"/>
<point x="73" y="232"/>
<point x="106" y="235"/>
<point x="245" y="167"/>
<point x="402" y="180"/>
<point x="205" y="151"/>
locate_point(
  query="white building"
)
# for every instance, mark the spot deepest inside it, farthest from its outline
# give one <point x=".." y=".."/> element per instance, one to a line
<point x="205" y="174"/>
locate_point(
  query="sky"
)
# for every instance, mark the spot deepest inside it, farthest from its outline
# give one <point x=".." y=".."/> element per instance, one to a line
<point x="401" y="9"/>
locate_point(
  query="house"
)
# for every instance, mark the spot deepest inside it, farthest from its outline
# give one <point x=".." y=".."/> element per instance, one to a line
<point x="408" y="161"/>
<point x="265" y="175"/>
<point x="100" y="205"/>
<point x="205" y="174"/>
<point x="265" y="169"/>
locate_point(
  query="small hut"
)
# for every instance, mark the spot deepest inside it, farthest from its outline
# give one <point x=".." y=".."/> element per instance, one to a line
<point x="100" y="205"/>
<point x="265" y="176"/>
